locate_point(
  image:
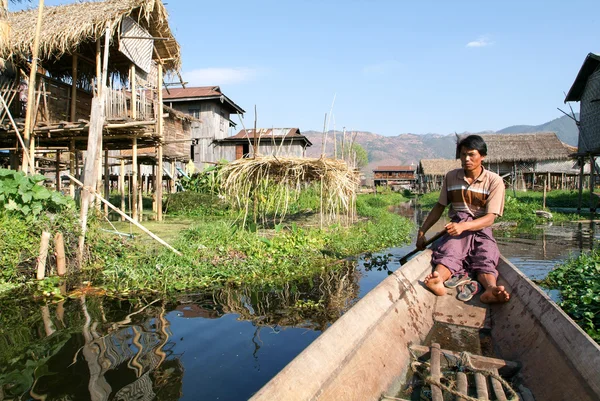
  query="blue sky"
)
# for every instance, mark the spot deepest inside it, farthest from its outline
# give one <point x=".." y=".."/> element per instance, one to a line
<point x="393" y="66"/>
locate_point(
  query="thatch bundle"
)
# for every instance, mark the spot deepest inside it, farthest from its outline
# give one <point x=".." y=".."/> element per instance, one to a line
<point x="71" y="28"/>
<point x="271" y="183"/>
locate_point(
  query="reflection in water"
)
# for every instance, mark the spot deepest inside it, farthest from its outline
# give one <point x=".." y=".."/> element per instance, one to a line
<point x="99" y="349"/>
<point x="220" y="345"/>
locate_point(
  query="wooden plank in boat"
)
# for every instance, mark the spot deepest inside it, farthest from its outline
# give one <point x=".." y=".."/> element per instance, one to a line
<point x="448" y="309"/>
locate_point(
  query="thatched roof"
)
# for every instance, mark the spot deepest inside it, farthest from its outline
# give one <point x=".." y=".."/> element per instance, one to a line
<point x="524" y="147"/>
<point x="437" y="166"/>
<point x="71" y="28"/>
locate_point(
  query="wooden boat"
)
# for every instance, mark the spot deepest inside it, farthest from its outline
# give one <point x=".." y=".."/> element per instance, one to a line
<point x="368" y="353"/>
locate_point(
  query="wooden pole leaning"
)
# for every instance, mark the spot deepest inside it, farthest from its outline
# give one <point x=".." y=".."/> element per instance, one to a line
<point x="116" y="209"/>
<point x="31" y="92"/>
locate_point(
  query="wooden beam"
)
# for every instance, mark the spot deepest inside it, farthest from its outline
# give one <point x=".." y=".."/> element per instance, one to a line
<point x="72" y="171"/>
<point x="159" y="156"/>
<point x="74" y="89"/>
<point x="134" y="178"/>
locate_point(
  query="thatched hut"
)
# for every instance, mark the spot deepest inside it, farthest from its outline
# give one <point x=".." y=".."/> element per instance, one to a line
<point x="73" y="61"/>
<point x="519" y="157"/>
<point x="431" y="173"/>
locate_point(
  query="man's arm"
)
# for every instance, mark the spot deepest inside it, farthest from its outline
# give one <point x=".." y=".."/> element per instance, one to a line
<point x="473" y="225"/>
<point x="433" y="216"/>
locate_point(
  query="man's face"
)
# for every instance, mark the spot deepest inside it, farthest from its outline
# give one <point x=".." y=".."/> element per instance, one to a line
<point x="470" y="159"/>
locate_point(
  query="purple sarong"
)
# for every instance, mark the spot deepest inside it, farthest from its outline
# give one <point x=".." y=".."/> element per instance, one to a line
<point x="472" y="252"/>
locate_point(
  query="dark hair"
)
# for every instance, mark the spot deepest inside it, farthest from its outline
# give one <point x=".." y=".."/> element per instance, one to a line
<point x="472" y="142"/>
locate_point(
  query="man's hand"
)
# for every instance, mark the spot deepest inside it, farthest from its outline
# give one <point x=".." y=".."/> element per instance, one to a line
<point x="421" y="240"/>
<point x="455" y="229"/>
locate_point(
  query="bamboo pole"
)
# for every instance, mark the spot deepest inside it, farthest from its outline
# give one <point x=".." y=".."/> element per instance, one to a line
<point x="14" y="125"/>
<point x="133" y="93"/>
<point x="43" y="255"/>
<point x="172" y="167"/>
<point x="138" y="225"/>
<point x="580" y="197"/>
<point x="30" y="145"/>
<point x="59" y="249"/>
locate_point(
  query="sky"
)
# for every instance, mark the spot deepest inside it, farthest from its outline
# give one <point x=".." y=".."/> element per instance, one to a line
<point x="388" y="67"/>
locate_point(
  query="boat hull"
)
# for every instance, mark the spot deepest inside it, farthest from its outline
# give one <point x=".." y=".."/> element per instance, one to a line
<point x="365" y="355"/>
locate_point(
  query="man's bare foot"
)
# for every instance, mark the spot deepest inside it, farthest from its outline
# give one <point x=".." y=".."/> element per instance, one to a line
<point x="495" y="295"/>
<point x="434" y="282"/>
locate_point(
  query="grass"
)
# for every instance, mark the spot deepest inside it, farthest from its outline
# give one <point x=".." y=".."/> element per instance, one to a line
<point x="521" y="209"/>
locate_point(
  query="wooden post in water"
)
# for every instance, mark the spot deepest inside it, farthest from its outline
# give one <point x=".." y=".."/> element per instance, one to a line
<point x="592" y="179"/>
<point x="43" y="255"/>
<point x="59" y="249"/>
<point x="544" y="199"/>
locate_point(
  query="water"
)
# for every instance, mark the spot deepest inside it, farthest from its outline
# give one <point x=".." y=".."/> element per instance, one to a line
<point x="209" y="346"/>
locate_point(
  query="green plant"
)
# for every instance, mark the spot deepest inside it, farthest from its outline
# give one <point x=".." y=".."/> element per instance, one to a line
<point x="207" y="181"/>
<point x="23" y="194"/>
<point x="578" y="282"/>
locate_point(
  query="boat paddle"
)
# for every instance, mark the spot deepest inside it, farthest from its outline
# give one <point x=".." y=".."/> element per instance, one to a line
<point x="439" y="235"/>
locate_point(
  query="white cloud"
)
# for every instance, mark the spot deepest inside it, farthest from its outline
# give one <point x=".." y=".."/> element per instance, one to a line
<point x="482" y="41"/>
<point x="219" y="76"/>
<point x="381" y="68"/>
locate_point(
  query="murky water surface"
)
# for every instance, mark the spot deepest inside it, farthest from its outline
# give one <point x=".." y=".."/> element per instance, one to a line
<point x="218" y="346"/>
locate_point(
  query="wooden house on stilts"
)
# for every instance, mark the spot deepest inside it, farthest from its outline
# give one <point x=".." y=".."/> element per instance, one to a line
<point x="586" y="91"/>
<point x="120" y="49"/>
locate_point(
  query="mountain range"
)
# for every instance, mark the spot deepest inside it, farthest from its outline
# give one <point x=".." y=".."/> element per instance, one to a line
<point x="406" y="149"/>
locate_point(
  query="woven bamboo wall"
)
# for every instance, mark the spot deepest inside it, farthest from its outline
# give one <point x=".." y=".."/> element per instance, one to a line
<point x="589" y="130"/>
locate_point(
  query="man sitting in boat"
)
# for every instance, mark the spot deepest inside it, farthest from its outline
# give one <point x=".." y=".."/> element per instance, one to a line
<point x="469" y="250"/>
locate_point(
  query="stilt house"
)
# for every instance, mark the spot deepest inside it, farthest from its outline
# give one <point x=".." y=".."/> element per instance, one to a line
<point x="395" y="177"/>
<point x="526" y="161"/>
<point x="123" y="46"/>
<point x="215" y="115"/>
<point x="284" y="142"/>
<point x="431" y="173"/>
<point x="586" y="91"/>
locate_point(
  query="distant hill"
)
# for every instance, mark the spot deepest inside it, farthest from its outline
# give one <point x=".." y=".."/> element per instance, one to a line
<point x="565" y="129"/>
<point x="407" y="149"/>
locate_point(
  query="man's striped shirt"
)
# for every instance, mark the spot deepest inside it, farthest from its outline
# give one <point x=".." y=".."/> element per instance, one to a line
<point x="484" y="195"/>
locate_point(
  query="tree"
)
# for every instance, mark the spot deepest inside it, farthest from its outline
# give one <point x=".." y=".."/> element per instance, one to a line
<point x="356" y="153"/>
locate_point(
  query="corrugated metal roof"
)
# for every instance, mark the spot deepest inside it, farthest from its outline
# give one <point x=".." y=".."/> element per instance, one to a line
<point x="200" y="91"/>
<point x="269" y="133"/>
<point x="590" y="65"/>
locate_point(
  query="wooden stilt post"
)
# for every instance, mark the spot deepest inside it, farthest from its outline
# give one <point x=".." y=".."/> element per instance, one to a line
<point x="159" y="155"/>
<point x="74" y="89"/>
<point x="140" y="195"/>
<point x="581" y="165"/>
<point x="106" y="180"/>
<point x="592" y="182"/>
<point x="94" y="144"/>
<point x="133" y="92"/>
<point x="72" y="171"/>
<point x="134" y="179"/>
<point x="122" y="186"/>
<point x="29" y="142"/>
<point x="173" y="189"/>
<point x="57" y="169"/>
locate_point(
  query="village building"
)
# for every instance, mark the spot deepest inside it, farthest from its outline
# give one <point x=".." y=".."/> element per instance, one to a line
<point x="431" y="173"/>
<point x="530" y="161"/>
<point x="394" y="177"/>
<point x="283" y="142"/>
<point x="586" y="91"/>
<point x="214" y="115"/>
<point x="112" y="52"/>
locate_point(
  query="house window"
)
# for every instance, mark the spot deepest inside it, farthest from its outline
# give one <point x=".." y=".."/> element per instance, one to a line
<point x="194" y="113"/>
